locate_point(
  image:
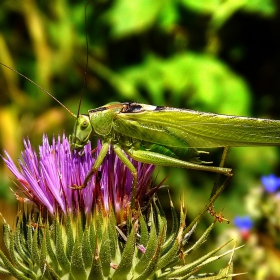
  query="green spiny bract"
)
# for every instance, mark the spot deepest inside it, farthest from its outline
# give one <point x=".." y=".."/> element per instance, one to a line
<point x="79" y="247"/>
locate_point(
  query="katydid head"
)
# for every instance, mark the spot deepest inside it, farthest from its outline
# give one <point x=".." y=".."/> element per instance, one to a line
<point x="99" y="121"/>
<point x="81" y="133"/>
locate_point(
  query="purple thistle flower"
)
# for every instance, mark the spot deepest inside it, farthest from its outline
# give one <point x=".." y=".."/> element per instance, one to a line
<point x="271" y="183"/>
<point x="45" y="179"/>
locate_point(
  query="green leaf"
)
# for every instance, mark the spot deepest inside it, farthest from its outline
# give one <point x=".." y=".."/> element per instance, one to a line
<point x="77" y="267"/>
<point x="168" y="15"/>
<point x="43" y="258"/>
<point x="17" y="263"/>
<point x="144" y="234"/>
<point x="105" y="253"/>
<point x="200" y="241"/>
<point x="70" y="235"/>
<point x="202" y="6"/>
<point x="175" y="227"/>
<point x="188" y="77"/>
<point x="86" y="248"/>
<point x="112" y="233"/>
<point x="92" y="237"/>
<point x="228" y="270"/>
<point x="49" y="243"/>
<point x="124" y="267"/>
<point x="191" y="268"/>
<point x="263" y="7"/>
<point x="170" y="255"/>
<point x="59" y="247"/>
<point x="151" y="267"/>
<point x="150" y="249"/>
<point x="127" y="17"/>
<point x="29" y="240"/>
<point x="7" y="234"/>
<point x="20" y="244"/>
<point x="160" y="219"/>
<point x="9" y="266"/>
<point x="35" y="256"/>
<point x="96" y="268"/>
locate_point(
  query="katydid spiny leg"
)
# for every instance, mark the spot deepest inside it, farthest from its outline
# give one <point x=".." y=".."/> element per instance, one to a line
<point x="95" y="167"/>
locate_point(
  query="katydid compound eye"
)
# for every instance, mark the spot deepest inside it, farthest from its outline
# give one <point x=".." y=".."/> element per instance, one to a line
<point x="84" y="124"/>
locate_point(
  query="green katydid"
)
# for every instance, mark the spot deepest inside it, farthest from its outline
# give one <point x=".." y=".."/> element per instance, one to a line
<point x="150" y="134"/>
<point x="135" y="130"/>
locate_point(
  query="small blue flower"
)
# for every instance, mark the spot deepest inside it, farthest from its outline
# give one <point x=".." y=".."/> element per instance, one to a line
<point x="271" y="183"/>
<point x="244" y="223"/>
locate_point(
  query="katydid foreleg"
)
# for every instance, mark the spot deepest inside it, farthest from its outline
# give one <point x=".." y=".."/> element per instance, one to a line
<point x="121" y="155"/>
<point x="100" y="158"/>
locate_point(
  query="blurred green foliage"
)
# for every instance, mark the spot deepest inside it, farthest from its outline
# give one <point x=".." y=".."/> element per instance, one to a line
<point x="215" y="56"/>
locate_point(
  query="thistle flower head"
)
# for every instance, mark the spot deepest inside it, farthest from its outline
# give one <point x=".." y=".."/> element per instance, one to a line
<point x="45" y="179"/>
<point x="64" y="245"/>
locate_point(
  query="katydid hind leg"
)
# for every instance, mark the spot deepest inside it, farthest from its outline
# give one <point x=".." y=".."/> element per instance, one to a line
<point x="217" y="182"/>
<point x="218" y="186"/>
<point x="160" y="159"/>
<point x="100" y="158"/>
<point x="164" y="160"/>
